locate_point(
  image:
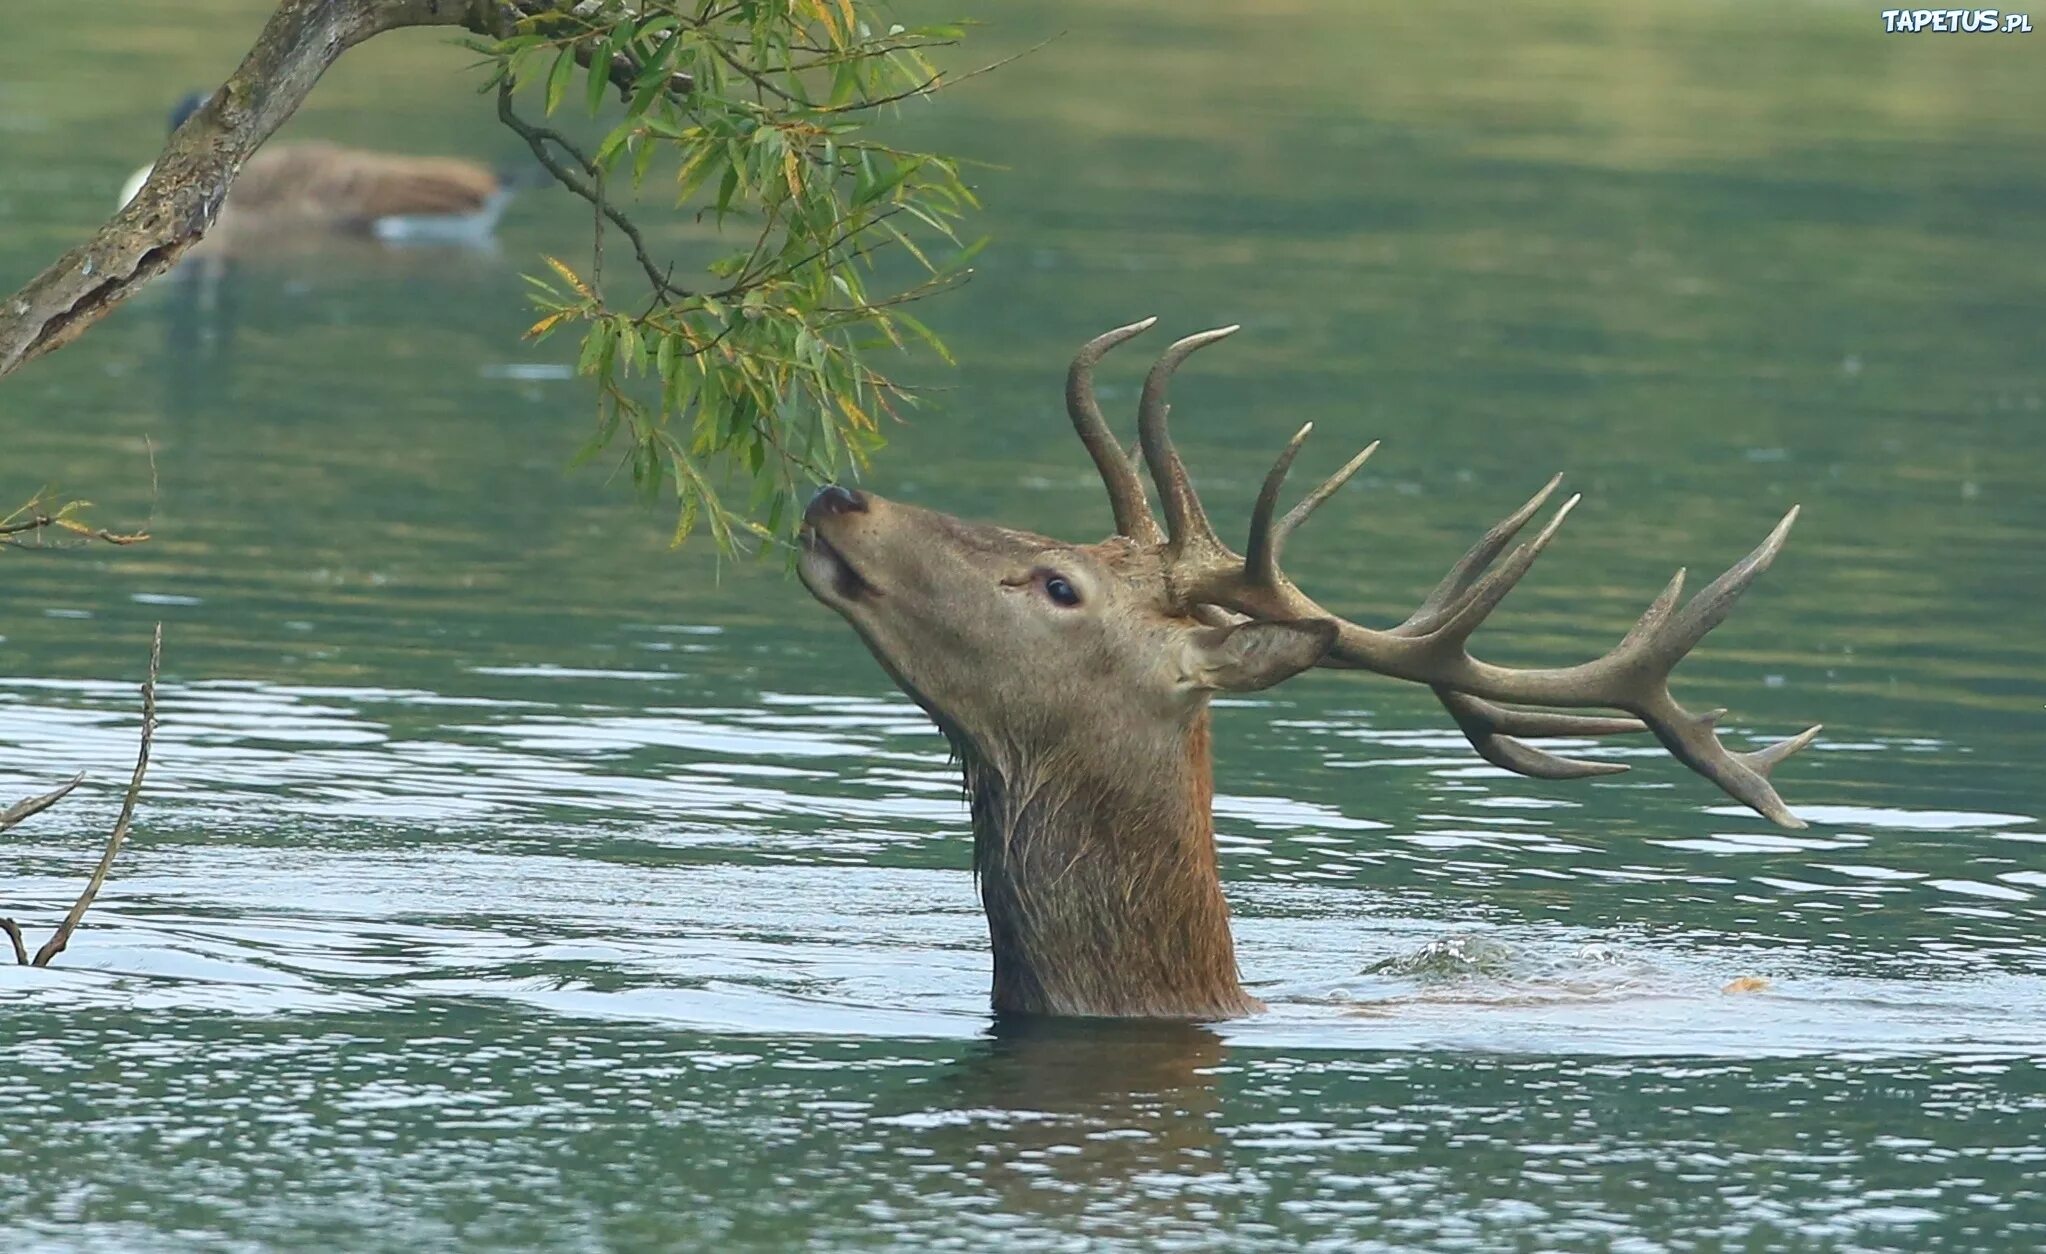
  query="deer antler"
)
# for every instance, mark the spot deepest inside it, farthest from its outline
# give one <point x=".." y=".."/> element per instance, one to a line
<point x="1125" y="489"/>
<point x="1430" y="647"/>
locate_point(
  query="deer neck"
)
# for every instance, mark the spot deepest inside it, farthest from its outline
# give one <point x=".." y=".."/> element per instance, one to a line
<point x="1100" y="882"/>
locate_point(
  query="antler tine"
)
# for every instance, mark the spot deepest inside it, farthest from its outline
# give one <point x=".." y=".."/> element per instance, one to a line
<point x="1467" y="614"/>
<point x="1261" y="553"/>
<point x="1455" y="609"/>
<point x="1548" y="722"/>
<point x="1186" y="523"/>
<point x="1126" y="496"/>
<point x="1268" y="542"/>
<point x="1634" y="677"/>
<point x="1487" y="727"/>
<point x="1312" y="501"/>
<point x="1660" y="640"/>
<point x="1473" y="564"/>
<point x="1709" y="608"/>
<point x="1492" y="729"/>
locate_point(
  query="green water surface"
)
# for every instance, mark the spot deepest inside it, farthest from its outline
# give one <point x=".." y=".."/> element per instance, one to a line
<point x="508" y="880"/>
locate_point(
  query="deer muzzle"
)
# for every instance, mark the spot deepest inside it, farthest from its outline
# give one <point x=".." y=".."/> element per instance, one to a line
<point x="825" y="569"/>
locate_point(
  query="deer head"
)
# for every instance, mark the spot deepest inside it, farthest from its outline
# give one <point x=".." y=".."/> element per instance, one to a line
<point x="1072" y="681"/>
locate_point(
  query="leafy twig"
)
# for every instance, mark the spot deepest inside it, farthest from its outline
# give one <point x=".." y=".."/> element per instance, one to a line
<point x="37" y="516"/>
<point x="537" y="138"/>
<point x="935" y="81"/>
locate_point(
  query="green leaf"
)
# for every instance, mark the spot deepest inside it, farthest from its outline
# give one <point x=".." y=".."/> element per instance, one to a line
<point x="926" y="335"/>
<point x="664" y="358"/>
<point x="596" y="341"/>
<point x="557" y="78"/>
<point x="642" y="160"/>
<point x="629" y="348"/>
<point x="600" y="69"/>
<point x="614" y="143"/>
<point x="727" y="188"/>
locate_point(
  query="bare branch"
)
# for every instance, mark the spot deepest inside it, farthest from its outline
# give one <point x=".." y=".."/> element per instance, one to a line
<point x="13" y="931"/>
<point x="183" y="194"/>
<point x="55" y="945"/>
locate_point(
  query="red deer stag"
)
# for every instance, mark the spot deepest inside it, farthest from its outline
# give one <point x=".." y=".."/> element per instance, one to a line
<point x="1073" y="682"/>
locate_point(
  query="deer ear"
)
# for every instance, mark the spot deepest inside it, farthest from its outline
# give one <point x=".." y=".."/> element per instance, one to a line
<point x="1255" y="655"/>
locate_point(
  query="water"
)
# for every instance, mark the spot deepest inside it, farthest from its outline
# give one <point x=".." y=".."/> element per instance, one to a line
<point x="506" y="879"/>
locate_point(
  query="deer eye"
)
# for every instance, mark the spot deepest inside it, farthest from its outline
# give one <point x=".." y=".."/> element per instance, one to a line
<point x="1061" y="591"/>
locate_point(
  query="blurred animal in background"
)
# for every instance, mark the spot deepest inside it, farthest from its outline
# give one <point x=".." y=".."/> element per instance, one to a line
<point x="303" y="217"/>
<point x="295" y="193"/>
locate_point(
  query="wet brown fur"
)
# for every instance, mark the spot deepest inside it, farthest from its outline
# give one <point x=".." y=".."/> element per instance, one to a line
<point x="1099" y="879"/>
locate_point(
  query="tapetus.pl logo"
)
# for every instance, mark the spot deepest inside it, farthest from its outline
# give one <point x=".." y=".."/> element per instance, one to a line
<point x="1955" y="22"/>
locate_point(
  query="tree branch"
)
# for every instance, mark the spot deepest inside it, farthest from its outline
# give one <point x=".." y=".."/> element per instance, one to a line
<point x="183" y="194"/>
<point x="624" y="70"/>
<point x="537" y="138"/>
<point x="55" y="945"/>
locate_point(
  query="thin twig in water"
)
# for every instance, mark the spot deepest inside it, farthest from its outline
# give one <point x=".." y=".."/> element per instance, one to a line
<point x="14" y="934"/>
<point x="119" y="836"/>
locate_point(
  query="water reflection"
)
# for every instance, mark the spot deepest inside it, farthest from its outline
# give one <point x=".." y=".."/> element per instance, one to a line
<point x="282" y="281"/>
<point x="1060" y="1119"/>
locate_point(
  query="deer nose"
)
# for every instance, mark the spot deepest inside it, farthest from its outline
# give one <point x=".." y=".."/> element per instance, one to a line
<point x="832" y="499"/>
